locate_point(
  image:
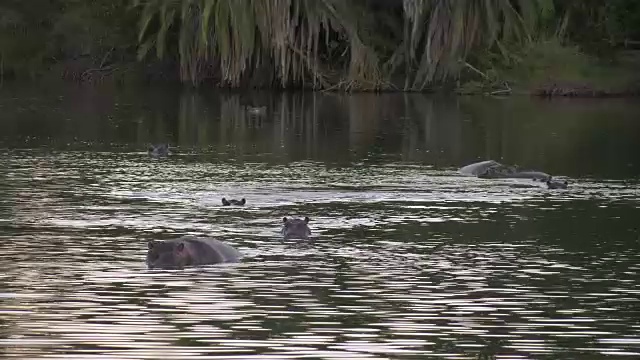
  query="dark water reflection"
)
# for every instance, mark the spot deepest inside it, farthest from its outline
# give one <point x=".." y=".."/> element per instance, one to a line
<point x="410" y="260"/>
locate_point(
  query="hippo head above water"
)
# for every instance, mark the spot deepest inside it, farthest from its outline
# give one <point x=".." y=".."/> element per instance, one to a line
<point x="226" y="202"/>
<point x="296" y="228"/>
<point x="158" y="150"/>
<point x="166" y="255"/>
<point x="555" y="184"/>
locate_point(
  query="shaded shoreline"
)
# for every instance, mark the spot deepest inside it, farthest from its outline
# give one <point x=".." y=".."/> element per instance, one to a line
<point x="163" y="74"/>
<point x="547" y="90"/>
<point x="583" y="91"/>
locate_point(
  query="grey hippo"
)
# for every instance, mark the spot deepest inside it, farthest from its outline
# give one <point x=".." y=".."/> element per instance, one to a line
<point x="256" y="111"/>
<point x="296" y="228"/>
<point x="159" y="150"/>
<point x="230" y="202"/>
<point x="189" y="251"/>
<point x="491" y="169"/>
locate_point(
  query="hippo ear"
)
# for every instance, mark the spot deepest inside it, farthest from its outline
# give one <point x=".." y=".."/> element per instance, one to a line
<point x="180" y="247"/>
<point x="151" y="244"/>
<point x="284" y="219"/>
<point x="306" y="219"/>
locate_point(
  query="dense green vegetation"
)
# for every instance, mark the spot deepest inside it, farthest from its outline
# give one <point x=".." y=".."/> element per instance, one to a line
<point x="494" y="46"/>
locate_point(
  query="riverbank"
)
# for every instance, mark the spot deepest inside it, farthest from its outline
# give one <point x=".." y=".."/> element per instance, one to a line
<point x="374" y="46"/>
<point x="542" y="70"/>
<point x="550" y="69"/>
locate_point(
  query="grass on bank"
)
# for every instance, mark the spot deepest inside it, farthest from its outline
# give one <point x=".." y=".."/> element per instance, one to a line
<point x="550" y="68"/>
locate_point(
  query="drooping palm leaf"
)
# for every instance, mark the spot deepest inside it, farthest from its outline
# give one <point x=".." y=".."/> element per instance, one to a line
<point x="236" y="38"/>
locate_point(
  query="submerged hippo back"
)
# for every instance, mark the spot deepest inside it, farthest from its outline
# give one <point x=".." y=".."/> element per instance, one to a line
<point x="535" y="175"/>
<point x="479" y="167"/>
<point x="493" y="170"/>
<point x="189" y="251"/>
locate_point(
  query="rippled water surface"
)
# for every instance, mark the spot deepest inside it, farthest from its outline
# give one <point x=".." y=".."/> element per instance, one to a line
<point x="408" y="259"/>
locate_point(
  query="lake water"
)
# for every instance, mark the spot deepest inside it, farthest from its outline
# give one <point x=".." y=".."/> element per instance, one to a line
<point x="409" y="260"/>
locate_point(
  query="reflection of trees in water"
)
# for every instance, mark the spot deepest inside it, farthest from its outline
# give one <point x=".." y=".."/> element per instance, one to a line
<point x="571" y="137"/>
<point x="325" y="126"/>
<point x="364" y="114"/>
<point x="294" y="126"/>
<point x="195" y="119"/>
<point x="442" y="131"/>
<point x="432" y="129"/>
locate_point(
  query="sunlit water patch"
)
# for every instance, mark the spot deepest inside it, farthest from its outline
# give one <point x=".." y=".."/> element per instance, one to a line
<point x="404" y="262"/>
